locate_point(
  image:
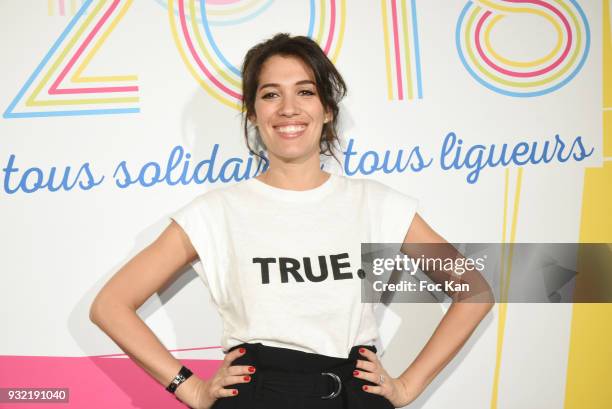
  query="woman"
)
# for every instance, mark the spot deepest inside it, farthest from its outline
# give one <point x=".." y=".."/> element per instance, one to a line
<point x="281" y="253"/>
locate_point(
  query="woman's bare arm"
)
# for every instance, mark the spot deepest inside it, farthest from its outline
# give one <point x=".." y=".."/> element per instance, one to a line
<point x="454" y="329"/>
<point x="114" y="308"/>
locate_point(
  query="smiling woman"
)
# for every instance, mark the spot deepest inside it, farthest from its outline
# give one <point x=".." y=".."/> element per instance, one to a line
<point x="291" y="89"/>
<point x="281" y="257"/>
<point x="289" y="115"/>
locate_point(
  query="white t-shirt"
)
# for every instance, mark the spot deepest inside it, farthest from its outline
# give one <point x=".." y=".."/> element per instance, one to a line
<point x="281" y="265"/>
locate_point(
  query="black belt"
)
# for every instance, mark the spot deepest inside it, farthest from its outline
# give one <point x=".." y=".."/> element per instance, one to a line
<point x="325" y="385"/>
<point x="303" y="377"/>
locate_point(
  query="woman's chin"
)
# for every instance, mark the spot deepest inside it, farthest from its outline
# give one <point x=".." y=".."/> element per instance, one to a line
<point x="292" y="154"/>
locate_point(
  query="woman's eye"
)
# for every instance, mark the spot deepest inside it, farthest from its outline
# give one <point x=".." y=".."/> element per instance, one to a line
<point x="307" y="92"/>
<point x="268" y="95"/>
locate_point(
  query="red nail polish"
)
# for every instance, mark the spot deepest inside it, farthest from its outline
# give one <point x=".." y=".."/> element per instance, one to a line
<point x="247" y="378"/>
<point x="251" y="369"/>
<point x="365" y="387"/>
<point x="362" y="350"/>
<point x="234" y="392"/>
<point x="242" y="350"/>
<point x="355" y="372"/>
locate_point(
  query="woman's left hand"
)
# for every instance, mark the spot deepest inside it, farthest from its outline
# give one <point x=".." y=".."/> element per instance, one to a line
<point x="395" y="390"/>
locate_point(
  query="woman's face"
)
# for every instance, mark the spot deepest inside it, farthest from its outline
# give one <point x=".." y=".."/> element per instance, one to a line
<point x="288" y="111"/>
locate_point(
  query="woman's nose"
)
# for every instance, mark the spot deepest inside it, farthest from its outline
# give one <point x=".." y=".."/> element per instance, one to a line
<point x="288" y="106"/>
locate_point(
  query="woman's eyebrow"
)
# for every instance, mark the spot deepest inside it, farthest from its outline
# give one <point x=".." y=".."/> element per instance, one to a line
<point x="272" y="84"/>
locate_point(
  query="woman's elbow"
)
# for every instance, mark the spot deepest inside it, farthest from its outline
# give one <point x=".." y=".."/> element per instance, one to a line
<point x="102" y="307"/>
<point x="96" y="310"/>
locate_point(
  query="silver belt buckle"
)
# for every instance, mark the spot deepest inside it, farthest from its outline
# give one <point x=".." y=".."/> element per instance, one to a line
<point x="336" y="392"/>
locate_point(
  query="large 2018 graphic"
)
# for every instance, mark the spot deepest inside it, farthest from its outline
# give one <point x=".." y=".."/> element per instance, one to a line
<point x="60" y="86"/>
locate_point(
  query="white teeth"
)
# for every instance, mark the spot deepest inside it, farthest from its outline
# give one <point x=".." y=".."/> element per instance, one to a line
<point x="291" y="128"/>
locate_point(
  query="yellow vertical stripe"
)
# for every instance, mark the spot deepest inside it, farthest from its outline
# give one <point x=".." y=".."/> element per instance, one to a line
<point x="506" y="268"/>
<point x="321" y="23"/>
<point x="341" y="33"/>
<point x="387" y="58"/>
<point x="406" y="50"/>
<point x="515" y="210"/>
<point x="607" y="130"/>
<point x="50" y="7"/>
<point x="589" y="367"/>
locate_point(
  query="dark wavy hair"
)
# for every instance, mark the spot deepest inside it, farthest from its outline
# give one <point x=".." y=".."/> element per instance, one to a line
<point x="330" y="84"/>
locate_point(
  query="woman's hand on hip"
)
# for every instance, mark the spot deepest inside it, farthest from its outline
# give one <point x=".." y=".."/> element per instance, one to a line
<point x="395" y="390"/>
<point x="214" y="388"/>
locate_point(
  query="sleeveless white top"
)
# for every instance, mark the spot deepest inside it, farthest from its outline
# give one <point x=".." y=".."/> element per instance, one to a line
<point x="281" y="265"/>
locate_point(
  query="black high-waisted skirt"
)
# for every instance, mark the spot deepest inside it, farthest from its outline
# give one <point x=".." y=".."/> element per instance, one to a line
<point x="289" y="379"/>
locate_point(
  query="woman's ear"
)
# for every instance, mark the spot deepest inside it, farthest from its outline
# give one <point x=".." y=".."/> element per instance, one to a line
<point x="253" y="120"/>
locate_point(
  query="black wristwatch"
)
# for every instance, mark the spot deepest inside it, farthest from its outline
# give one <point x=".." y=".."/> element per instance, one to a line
<point x="181" y="377"/>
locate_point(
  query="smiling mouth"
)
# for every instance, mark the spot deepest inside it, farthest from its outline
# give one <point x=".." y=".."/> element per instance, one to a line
<point x="290" y="131"/>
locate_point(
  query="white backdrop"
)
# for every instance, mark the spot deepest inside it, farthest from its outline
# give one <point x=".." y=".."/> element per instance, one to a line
<point x="90" y="96"/>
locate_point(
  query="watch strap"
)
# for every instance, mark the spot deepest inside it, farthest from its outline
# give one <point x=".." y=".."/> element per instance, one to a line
<point x="183" y="374"/>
